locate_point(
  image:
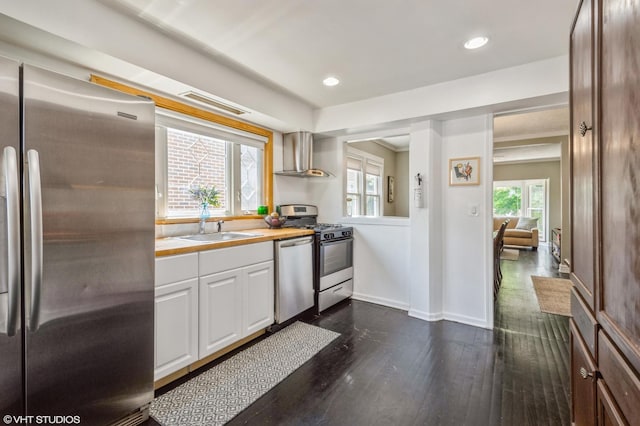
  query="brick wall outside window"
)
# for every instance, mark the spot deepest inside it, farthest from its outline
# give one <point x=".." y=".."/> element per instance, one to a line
<point x="193" y="160"/>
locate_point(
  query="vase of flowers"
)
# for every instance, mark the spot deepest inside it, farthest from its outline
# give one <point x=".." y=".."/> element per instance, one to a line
<point x="206" y="196"/>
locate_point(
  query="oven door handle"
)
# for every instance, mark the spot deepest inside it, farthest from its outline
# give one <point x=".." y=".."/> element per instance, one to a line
<point x="298" y="242"/>
<point x="333" y="242"/>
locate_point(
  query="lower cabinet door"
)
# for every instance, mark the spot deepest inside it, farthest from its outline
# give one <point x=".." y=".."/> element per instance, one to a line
<point x="583" y="385"/>
<point x="259" y="300"/>
<point x="220" y="310"/>
<point x="176" y="327"/>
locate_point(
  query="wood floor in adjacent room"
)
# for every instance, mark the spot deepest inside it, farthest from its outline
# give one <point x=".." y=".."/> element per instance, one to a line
<point x="389" y="369"/>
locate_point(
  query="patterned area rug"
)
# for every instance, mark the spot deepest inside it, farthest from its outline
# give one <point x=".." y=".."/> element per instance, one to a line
<point x="510" y="254"/>
<point x="554" y="295"/>
<point x="217" y="395"/>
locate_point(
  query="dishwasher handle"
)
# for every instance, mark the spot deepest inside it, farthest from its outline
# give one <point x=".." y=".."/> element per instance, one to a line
<point x="295" y="242"/>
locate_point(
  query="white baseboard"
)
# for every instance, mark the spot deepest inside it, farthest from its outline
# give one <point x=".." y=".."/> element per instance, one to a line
<point x="381" y="301"/>
<point x="564" y="269"/>
<point x="426" y="316"/>
<point x="476" y="322"/>
<point x="447" y="316"/>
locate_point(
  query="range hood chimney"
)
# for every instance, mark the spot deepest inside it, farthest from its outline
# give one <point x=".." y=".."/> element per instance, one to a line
<point x="298" y="156"/>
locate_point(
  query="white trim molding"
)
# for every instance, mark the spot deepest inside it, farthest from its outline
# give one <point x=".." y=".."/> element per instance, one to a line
<point x="381" y="301"/>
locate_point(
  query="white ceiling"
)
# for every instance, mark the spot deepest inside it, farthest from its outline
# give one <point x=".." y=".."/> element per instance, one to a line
<point x="522" y="126"/>
<point x="531" y="124"/>
<point x="375" y="47"/>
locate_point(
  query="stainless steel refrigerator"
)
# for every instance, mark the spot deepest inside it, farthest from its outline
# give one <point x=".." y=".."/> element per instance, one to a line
<point x="76" y="249"/>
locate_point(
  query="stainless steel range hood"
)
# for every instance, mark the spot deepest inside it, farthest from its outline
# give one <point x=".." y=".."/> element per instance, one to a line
<point x="298" y="156"/>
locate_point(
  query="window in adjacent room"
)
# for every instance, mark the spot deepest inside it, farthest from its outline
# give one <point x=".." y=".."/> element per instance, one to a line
<point x="364" y="173"/>
<point x="523" y="198"/>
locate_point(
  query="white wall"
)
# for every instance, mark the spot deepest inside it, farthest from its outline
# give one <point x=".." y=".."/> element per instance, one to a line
<point x="467" y="242"/>
<point x="425" y="250"/>
<point x="381" y="261"/>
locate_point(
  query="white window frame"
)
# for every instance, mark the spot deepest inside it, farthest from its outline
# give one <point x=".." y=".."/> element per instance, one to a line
<point x="232" y="137"/>
<point x="367" y="162"/>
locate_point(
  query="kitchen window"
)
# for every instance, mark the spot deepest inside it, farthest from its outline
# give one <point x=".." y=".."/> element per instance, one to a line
<point x="199" y="154"/>
<point x="364" y="173"/>
<point x="247" y="158"/>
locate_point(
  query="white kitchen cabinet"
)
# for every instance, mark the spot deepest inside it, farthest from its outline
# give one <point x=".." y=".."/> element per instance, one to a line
<point x="209" y="300"/>
<point x="176" y="313"/>
<point x="221" y="309"/>
<point x="237" y="302"/>
<point x="171" y="269"/>
<point x="176" y="327"/>
<point x="259" y="300"/>
<point x="224" y="259"/>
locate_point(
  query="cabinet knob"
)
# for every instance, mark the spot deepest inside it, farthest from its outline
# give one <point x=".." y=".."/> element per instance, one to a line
<point x="584" y="128"/>
<point x="584" y="373"/>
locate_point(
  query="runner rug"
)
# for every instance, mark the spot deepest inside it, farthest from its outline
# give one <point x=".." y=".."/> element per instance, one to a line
<point x="554" y="295"/>
<point x="217" y="395"/>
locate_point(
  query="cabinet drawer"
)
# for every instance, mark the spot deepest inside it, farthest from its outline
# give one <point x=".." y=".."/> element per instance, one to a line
<point x="620" y="378"/>
<point x="224" y="259"/>
<point x="171" y="269"/>
<point x="584" y="321"/>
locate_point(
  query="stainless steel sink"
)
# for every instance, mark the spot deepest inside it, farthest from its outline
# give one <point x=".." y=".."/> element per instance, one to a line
<point x="219" y="236"/>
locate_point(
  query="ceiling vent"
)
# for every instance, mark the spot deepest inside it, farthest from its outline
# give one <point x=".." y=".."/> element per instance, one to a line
<point x="213" y="103"/>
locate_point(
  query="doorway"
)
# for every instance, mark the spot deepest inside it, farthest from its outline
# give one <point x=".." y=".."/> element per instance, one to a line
<point x="531" y="169"/>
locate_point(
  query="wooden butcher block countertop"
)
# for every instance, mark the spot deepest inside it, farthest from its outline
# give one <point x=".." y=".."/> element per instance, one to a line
<point x="175" y="245"/>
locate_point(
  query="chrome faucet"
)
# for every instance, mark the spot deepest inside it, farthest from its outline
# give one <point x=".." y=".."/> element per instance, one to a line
<point x="203" y="223"/>
<point x="220" y="222"/>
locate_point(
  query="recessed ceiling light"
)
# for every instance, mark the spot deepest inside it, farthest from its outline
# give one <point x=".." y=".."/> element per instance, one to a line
<point x="330" y="81"/>
<point x="476" y="42"/>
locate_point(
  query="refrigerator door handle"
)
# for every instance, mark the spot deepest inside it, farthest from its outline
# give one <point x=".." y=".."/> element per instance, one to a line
<point x="35" y="207"/>
<point x="10" y="167"/>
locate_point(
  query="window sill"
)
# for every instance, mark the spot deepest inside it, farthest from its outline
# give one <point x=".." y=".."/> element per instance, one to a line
<point x="171" y="221"/>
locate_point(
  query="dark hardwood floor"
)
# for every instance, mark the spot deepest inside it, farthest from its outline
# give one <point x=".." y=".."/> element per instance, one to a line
<point x="389" y="369"/>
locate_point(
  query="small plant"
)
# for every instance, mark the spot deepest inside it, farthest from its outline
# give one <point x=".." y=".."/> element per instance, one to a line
<point x="206" y="195"/>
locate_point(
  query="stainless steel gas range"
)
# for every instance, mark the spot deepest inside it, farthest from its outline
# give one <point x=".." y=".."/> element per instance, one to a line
<point x="333" y="254"/>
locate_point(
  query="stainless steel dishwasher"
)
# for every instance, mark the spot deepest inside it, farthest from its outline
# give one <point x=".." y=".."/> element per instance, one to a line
<point x="294" y="277"/>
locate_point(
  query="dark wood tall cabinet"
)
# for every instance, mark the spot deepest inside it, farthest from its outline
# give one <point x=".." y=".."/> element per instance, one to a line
<point x="605" y="212"/>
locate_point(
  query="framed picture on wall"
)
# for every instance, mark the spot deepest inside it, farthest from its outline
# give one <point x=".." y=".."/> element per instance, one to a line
<point x="464" y="171"/>
<point x="390" y="188"/>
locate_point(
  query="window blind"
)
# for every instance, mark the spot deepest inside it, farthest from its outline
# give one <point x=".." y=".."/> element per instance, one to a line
<point x="175" y="120"/>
